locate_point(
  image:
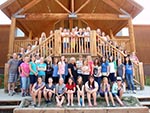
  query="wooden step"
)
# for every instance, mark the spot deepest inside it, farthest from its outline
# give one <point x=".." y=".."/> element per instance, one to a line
<point x="145" y="103"/>
<point x="8" y="107"/>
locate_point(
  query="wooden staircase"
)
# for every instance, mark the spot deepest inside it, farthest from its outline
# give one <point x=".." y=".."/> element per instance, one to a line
<point x="53" y="46"/>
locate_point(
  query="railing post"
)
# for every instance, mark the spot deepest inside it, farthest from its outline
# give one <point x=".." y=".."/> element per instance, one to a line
<point x="141" y="75"/>
<point x="93" y="49"/>
<point x="57" y="42"/>
<point x="6" y="77"/>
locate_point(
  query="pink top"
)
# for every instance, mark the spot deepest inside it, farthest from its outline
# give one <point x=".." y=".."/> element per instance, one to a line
<point x="25" y="67"/>
<point x="61" y="68"/>
<point x="90" y="64"/>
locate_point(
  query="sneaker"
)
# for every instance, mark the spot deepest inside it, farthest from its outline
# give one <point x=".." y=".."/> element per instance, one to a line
<point x="13" y="93"/>
<point x="72" y="104"/>
<point x="68" y="104"/>
<point x="38" y="105"/>
<point x="108" y="105"/>
<point x="134" y="91"/>
<point x="23" y="94"/>
<point x="83" y="104"/>
<point x="79" y="104"/>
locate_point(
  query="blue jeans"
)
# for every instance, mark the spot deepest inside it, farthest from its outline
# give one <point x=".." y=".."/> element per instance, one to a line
<point x="25" y="83"/>
<point x="130" y="83"/>
<point x="98" y="80"/>
<point x="63" y="76"/>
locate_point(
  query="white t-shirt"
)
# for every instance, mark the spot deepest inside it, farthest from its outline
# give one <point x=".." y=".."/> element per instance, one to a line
<point x="90" y="87"/>
<point x="112" y="67"/>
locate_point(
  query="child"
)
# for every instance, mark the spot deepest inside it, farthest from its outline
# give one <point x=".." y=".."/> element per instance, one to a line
<point x="55" y="71"/>
<point x="41" y="69"/>
<point x="80" y="91"/>
<point x="37" y="91"/>
<point x="129" y="74"/>
<point x="49" y="90"/>
<point x="60" y="91"/>
<point x="91" y="88"/>
<point x="70" y="90"/>
<point x="33" y="72"/>
<point x="116" y="91"/>
<point x="105" y="91"/>
<point x="85" y="71"/>
<point x="25" y="71"/>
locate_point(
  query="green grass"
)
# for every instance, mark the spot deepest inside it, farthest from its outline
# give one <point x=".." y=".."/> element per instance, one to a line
<point x="147" y="82"/>
<point x="2" y="80"/>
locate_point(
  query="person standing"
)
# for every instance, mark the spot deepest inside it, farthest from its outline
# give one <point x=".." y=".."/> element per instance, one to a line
<point x="25" y="71"/>
<point x="12" y="74"/>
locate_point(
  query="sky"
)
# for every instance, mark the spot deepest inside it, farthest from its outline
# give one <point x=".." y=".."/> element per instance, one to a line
<point x="142" y="18"/>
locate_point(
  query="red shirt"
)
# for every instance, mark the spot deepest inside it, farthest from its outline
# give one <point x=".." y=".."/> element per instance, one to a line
<point x="70" y="87"/>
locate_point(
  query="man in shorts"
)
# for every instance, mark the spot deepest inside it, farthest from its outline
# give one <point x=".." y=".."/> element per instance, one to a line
<point x="12" y="74"/>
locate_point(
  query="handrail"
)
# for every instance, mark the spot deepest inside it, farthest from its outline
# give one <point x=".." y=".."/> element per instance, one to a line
<point x="111" y="45"/>
<point x="38" y="46"/>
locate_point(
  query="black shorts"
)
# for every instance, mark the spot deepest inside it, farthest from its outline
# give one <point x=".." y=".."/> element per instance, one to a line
<point x="112" y="77"/>
<point x="33" y="79"/>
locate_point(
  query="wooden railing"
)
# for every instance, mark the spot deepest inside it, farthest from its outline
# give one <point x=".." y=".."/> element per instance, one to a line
<point x="22" y="44"/>
<point x="75" y="45"/>
<point x="104" y="48"/>
<point x="45" y="48"/>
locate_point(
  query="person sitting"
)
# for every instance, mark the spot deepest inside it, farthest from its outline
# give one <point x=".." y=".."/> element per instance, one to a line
<point x="105" y="91"/>
<point x="70" y="90"/>
<point x="49" y="90"/>
<point x="60" y="92"/>
<point x="37" y="91"/>
<point x="116" y="91"/>
<point x="91" y="88"/>
<point x="80" y="91"/>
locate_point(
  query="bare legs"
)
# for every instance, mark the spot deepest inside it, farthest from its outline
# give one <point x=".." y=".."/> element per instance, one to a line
<point x="60" y="100"/>
<point x="94" y="98"/>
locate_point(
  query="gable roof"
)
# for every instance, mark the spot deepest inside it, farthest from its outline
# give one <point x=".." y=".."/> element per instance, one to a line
<point x="44" y="7"/>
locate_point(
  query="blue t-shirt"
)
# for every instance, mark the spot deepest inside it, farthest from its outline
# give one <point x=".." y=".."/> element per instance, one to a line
<point x="104" y="67"/>
<point x="55" y="70"/>
<point x="33" y="67"/>
<point x="128" y="69"/>
<point x="40" y="72"/>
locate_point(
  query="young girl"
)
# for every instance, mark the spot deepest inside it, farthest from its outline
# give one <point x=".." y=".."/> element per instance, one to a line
<point x="49" y="68"/>
<point x="33" y="72"/>
<point x="55" y="71"/>
<point x="105" y="91"/>
<point x="37" y="91"/>
<point x="85" y="71"/>
<point x="41" y="68"/>
<point x="49" y="90"/>
<point x="25" y="71"/>
<point x="91" y="88"/>
<point x="129" y="74"/>
<point x="97" y="71"/>
<point x="80" y="91"/>
<point x="61" y="67"/>
<point x="60" y="91"/>
<point x="90" y="64"/>
<point x="112" y="69"/>
<point x="70" y="90"/>
<point x="73" y="40"/>
<point x="105" y="67"/>
<point x="116" y="91"/>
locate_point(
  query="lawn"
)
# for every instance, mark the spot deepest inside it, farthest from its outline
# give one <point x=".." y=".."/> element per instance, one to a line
<point x="2" y="81"/>
<point x="147" y="82"/>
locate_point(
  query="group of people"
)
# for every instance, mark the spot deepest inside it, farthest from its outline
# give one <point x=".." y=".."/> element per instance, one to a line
<point x="53" y="77"/>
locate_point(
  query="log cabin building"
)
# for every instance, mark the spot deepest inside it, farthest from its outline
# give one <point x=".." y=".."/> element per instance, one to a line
<point x="36" y="16"/>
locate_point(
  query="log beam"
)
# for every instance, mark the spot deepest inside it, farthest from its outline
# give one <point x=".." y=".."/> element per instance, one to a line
<point x="131" y="35"/>
<point x="72" y="6"/>
<point x="82" y="6"/>
<point x="113" y="5"/>
<point x="84" y="16"/>
<point x="12" y="36"/>
<point x="30" y="5"/>
<point x="61" y="5"/>
<point x="7" y="3"/>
